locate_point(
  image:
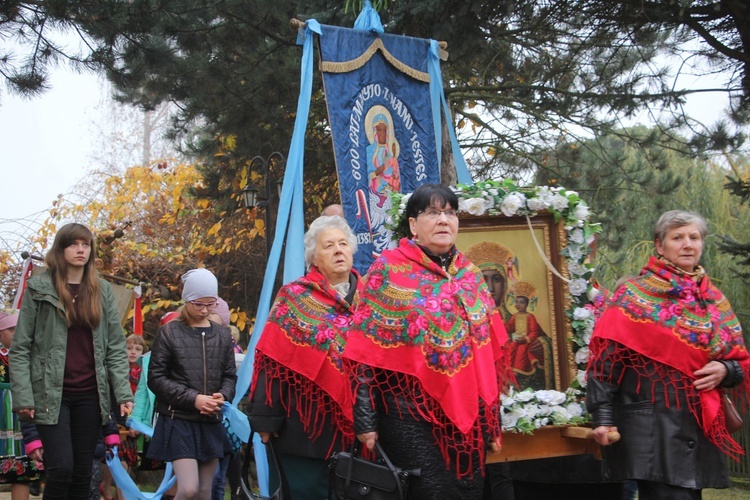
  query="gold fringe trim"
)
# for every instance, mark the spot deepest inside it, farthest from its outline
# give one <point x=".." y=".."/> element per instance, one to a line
<point x="347" y="66"/>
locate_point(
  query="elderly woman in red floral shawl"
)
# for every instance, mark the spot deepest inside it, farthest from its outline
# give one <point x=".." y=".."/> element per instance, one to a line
<point x="425" y="345"/>
<point x="300" y="397"/>
<point x="662" y="355"/>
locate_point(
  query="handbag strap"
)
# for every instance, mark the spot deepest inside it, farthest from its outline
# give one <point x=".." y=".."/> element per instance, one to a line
<point x="393" y="469"/>
<point x="283" y="491"/>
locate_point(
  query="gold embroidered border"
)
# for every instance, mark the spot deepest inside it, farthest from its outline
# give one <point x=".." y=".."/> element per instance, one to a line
<point x="347" y="66"/>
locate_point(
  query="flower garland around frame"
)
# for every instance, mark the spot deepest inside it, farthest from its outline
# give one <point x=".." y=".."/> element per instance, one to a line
<point x="524" y="411"/>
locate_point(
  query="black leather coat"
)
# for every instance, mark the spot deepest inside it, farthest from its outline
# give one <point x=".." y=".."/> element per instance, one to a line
<point x="660" y="438"/>
<point x="186" y="362"/>
<point x="409" y="442"/>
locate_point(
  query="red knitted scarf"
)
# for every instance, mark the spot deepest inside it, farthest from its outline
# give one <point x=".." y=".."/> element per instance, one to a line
<point x="301" y="346"/>
<point x="437" y="333"/>
<point x="665" y="325"/>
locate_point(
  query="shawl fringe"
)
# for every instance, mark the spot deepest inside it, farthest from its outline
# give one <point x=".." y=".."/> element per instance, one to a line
<point x="669" y="380"/>
<point x="459" y="450"/>
<point x="315" y="408"/>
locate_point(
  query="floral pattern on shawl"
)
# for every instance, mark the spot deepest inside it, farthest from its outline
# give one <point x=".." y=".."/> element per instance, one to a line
<point x="697" y="313"/>
<point x="306" y="319"/>
<point x="417" y="306"/>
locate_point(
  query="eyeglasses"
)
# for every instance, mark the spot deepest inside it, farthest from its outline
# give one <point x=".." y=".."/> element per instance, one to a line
<point x="434" y="214"/>
<point x="203" y="305"/>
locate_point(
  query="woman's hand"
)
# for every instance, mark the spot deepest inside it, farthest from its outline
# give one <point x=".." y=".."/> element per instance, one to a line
<point x="368" y="438"/>
<point x="208" y="405"/>
<point x="602" y="434"/>
<point x="710" y="376"/>
<point x="37" y="455"/>
<point x="126" y="408"/>
<point x="266" y="436"/>
<point x="496" y="444"/>
<point x="25" y="414"/>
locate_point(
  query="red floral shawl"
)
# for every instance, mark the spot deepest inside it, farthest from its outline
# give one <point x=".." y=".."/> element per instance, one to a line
<point x="665" y="320"/>
<point x="439" y="332"/>
<point x="301" y="345"/>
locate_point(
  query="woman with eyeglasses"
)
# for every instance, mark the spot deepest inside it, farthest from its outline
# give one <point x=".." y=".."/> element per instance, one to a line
<point x="68" y="356"/>
<point x="428" y="356"/>
<point x="192" y="373"/>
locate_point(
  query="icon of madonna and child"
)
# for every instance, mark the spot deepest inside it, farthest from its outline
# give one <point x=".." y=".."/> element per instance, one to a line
<point x="383" y="174"/>
<point x="530" y="348"/>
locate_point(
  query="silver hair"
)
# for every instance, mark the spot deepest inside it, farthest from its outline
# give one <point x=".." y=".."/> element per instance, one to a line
<point x="321" y="224"/>
<point x="678" y="218"/>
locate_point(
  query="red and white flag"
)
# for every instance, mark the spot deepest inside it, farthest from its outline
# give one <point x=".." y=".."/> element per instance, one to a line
<point x="28" y="266"/>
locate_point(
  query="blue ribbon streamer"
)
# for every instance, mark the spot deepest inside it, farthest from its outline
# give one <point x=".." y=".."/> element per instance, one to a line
<point x="368" y="19"/>
<point x="136" y="425"/>
<point x="291" y="216"/>
<point x="437" y="97"/>
<point x="126" y="484"/>
<point x="238" y="421"/>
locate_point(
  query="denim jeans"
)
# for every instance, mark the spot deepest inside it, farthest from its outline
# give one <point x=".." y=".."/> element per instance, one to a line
<point x="217" y="488"/>
<point x="69" y="447"/>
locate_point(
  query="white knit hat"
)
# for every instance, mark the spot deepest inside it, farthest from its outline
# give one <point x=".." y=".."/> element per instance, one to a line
<point x="199" y="283"/>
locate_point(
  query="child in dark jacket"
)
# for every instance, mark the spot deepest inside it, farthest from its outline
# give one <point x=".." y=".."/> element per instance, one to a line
<point x="192" y="374"/>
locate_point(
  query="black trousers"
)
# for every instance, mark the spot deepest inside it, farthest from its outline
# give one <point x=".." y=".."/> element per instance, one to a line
<point x="649" y="490"/>
<point x="69" y="447"/>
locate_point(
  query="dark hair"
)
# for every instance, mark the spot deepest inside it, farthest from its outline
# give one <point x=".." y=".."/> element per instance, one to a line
<point x="88" y="310"/>
<point x="429" y="195"/>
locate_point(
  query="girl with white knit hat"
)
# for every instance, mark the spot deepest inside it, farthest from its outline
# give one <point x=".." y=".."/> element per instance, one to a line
<point x="192" y="374"/>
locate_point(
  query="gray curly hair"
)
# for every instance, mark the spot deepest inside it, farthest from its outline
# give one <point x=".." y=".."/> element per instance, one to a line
<point x="321" y="224"/>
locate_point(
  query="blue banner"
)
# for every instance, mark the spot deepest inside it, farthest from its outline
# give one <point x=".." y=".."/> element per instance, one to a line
<point x="378" y="95"/>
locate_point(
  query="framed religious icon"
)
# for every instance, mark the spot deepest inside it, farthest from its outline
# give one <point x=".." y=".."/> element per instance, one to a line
<point x="517" y="257"/>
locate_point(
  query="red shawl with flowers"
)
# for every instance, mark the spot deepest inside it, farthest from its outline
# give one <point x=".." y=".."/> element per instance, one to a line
<point x="665" y="320"/>
<point x="438" y="331"/>
<point x="301" y="345"/>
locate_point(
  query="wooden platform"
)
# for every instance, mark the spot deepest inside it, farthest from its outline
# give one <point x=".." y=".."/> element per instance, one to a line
<point x="546" y="442"/>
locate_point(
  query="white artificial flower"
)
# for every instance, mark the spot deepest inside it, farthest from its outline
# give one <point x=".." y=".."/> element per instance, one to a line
<point x="559" y="415"/>
<point x="474" y="206"/>
<point x="493" y="191"/>
<point x="574" y="410"/>
<point x="582" y="355"/>
<point x="576" y="236"/>
<point x="536" y="204"/>
<point x="507" y="401"/>
<point x="581" y="212"/>
<point x="524" y="396"/>
<point x="589" y="323"/>
<point x="580" y="313"/>
<point x="581" y="377"/>
<point x="559" y="202"/>
<point x="575" y="268"/>
<point x="578" y="286"/>
<point x="512" y="203"/>
<point x="575" y="252"/>
<point x="550" y="397"/>
<point x="510" y="419"/>
<point x="587" y="337"/>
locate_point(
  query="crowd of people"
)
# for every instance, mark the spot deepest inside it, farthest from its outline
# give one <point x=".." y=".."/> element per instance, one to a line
<point x="412" y="356"/>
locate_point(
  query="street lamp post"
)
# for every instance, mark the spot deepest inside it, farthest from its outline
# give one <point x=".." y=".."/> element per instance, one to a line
<point x="273" y="162"/>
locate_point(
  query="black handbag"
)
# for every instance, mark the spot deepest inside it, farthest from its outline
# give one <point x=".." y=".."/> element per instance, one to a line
<point x="274" y="470"/>
<point x="352" y="477"/>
